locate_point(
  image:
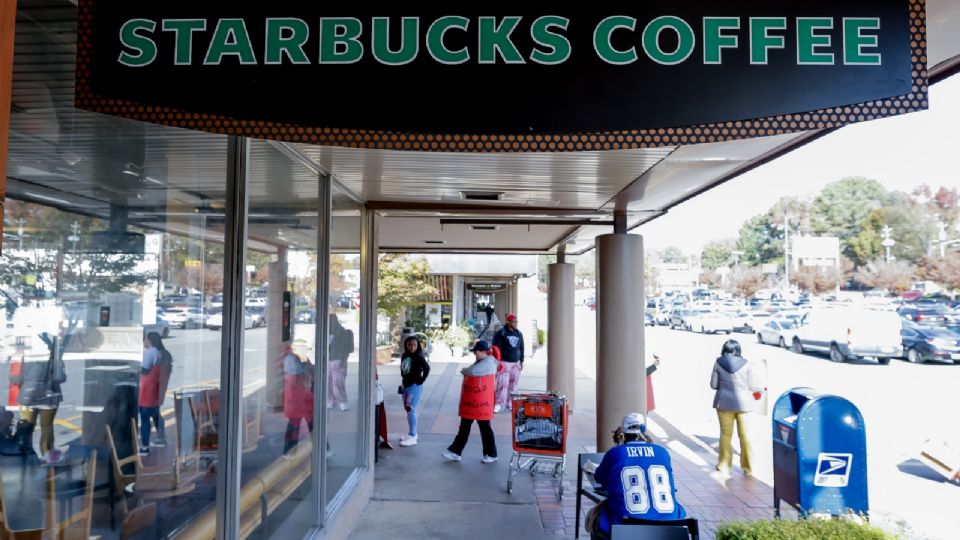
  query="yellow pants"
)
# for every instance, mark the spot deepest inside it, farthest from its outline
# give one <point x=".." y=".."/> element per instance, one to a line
<point x="727" y="419"/>
<point x="28" y="414"/>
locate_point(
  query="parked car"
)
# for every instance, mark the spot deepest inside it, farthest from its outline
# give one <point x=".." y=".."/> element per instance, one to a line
<point x="175" y="316"/>
<point x="161" y="327"/>
<point x="259" y="316"/>
<point x="215" y="322"/>
<point x="924" y="343"/>
<point x="850" y="333"/>
<point x="255" y="301"/>
<point x="757" y="320"/>
<point x="740" y="321"/>
<point x="777" y="332"/>
<point x="678" y="318"/>
<point x="648" y="319"/>
<point x="926" y="314"/>
<point x="708" y="321"/>
<point x="307" y="316"/>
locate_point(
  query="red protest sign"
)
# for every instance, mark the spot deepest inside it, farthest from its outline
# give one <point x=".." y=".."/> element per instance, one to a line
<point x="477" y="397"/>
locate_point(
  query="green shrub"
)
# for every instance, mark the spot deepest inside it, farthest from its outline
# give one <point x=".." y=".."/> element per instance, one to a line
<point x="806" y="529"/>
<point x="541" y="336"/>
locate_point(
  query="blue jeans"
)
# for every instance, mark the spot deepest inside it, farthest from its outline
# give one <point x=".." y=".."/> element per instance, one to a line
<point x="146" y="415"/>
<point x="411" y="398"/>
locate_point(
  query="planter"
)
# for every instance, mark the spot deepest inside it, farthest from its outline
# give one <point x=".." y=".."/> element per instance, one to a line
<point x="384" y="354"/>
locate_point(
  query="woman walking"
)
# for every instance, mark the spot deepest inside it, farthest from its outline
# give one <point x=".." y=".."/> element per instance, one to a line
<point x="739" y="388"/>
<point x="154" y="377"/>
<point x="414" y="369"/>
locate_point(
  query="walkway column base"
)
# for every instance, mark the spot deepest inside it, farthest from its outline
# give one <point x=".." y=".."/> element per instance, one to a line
<point x="561" y="343"/>
<point x="621" y="385"/>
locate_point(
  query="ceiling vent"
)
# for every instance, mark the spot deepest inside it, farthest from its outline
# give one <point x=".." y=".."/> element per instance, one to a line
<point x="481" y="195"/>
<point x="434" y="242"/>
<point x="484" y="227"/>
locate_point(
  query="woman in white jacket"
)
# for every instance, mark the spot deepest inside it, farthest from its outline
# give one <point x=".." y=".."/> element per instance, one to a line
<point x="739" y="388"/>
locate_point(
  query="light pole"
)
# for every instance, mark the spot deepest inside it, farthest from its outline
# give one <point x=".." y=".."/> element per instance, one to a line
<point x="786" y="254"/>
<point x="887" y="242"/>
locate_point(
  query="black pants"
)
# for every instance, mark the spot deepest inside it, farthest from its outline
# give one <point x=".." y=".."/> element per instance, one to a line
<point x="486" y="435"/>
<point x="291" y="437"/>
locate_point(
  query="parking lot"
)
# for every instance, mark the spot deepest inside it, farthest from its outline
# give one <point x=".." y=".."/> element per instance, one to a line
<point x="902" y="404"/>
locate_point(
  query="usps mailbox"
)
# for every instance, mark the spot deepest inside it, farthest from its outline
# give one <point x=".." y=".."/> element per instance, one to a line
<point x="819" y="454"/>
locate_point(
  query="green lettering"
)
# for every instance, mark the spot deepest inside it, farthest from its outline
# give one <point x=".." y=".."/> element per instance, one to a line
<point x="808" y="41"/>
<point x="714" y="40"/>
<point x="144" y="49"/>
<point x="435" y="45"/>
<point x="183" y="30"/>
<point x="687" y="40"/>
<point x="409" y="41"/>
<point x="761" y="40"/>
<point x="340" y="40"/>
<point x="854" y="41"/>
<point x="230" y="39"/>
<point x="603" y="34"/>
<point x="558" y="44"/>
<point x="286" y="37"/>
<point x="496" y="39"/>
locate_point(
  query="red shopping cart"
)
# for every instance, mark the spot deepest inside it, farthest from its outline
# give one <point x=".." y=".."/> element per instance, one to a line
<point x="539" y="436"/>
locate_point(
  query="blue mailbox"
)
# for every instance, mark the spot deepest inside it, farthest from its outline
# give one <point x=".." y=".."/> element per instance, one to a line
<point x="819" y="454"/>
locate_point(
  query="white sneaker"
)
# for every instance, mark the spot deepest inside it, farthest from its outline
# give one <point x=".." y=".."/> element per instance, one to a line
<point x="343" y="407"/>
<point x="408" y="441"/>
<point x="488" y="459"/>
<point x="451" y="456"/>
<point x="496" y="408"/>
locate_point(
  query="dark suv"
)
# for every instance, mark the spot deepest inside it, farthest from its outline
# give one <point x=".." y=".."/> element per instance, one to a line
<point x="926" y="314"/>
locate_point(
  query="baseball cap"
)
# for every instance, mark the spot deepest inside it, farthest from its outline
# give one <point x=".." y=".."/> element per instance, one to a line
<point x="511" y="317"/>
<point x="480" y="346"/>
<point x="634" y="424"/>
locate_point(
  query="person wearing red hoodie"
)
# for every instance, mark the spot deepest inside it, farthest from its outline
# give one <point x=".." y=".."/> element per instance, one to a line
<point x="155" y="374"/>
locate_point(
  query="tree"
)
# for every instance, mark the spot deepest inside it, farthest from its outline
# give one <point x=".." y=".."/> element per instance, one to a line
<point x="814" y="280"/>
<point x="842" y="208"/>
<point x="760" y="241"/>
<point x="746" y="282"/>
<point x="402" y="282"/>
<point x="943" y="270"/>
<point x="717" y="253"/>
<point x="894" y="276"/>
<point x="673" y="255"/>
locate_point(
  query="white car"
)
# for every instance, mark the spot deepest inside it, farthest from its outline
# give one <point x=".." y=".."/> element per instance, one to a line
<point x="215" y="322"/>
<point x="710" y="321"/>
<point x="778" y="332"/>
<point x="256" y="301"/>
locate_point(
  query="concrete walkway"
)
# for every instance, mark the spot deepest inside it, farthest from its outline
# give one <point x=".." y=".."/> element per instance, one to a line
<point x="418" y="494"/>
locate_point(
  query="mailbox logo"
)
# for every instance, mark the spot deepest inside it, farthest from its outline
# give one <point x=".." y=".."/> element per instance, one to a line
<point x="833" y="470"/>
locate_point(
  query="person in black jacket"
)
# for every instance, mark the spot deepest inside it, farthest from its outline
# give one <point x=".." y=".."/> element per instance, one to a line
<point x="414" y="369"/>
<point x="510" y="342"/>
<point x="340" y="348"/>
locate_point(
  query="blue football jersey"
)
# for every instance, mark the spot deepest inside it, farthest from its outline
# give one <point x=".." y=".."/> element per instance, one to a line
<point x="638" y="479"/>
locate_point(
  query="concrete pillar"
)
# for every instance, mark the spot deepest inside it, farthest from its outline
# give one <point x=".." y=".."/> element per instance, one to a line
<point x="277" y="284"/>
<point x="561" y="368"/>
<point x="621" y="385"/>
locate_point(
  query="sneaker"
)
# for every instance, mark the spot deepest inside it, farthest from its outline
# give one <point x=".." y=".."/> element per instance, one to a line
<point x="496" y="409"/>
<point x="329" y="405"/>
<point x="451" y="456"/>
<point x="408" y="440"/>
<point x="343" y="407"/>
<point x="161" y="443"/>
<point x="330" y="454"/>
<point x="144" y="451"/>
<point x="488" y="459"/>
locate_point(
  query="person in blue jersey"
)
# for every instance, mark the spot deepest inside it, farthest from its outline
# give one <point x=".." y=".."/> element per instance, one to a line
<point x="638" y="479"/>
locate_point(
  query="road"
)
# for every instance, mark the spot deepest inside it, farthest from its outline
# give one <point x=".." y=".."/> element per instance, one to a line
<point x="902" y="404"/>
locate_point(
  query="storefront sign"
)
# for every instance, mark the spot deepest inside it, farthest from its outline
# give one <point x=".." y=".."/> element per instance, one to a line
<point x="540" y="77"/>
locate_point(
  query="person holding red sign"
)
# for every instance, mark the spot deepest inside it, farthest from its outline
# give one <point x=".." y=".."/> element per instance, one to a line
<point x="476" y="403"/>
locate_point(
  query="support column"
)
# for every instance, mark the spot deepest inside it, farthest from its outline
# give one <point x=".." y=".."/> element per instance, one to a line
<point x="277" y="284"/>
<point x="8" y="23"/>
<point x="621" y="387"/>
<point x="561" y="369"/>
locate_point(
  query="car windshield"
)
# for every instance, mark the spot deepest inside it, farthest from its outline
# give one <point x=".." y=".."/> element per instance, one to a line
<point x="787" y="325"/>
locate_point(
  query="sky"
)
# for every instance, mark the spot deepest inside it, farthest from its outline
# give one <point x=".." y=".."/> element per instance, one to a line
<point x="901" y="152"/>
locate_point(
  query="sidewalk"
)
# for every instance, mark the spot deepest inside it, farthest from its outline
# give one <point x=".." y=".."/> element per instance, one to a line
<point x="418" y="494"/>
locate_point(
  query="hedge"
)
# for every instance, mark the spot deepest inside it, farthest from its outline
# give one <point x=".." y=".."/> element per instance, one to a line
<point x="807" y="529"/>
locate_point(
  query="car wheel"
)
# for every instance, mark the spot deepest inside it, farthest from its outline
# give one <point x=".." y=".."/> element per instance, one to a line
<point x="759" y="338"/>
<point x="914" y="357"/>
<point x="782" y="343"/>
<point x="797" y="346"/>
<point x="748" y="329"/>
<point x="703" y="330"/>
<point x="835" y="354"/>
<point x="884" y="361"/>
<point x="166" y="332"/>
